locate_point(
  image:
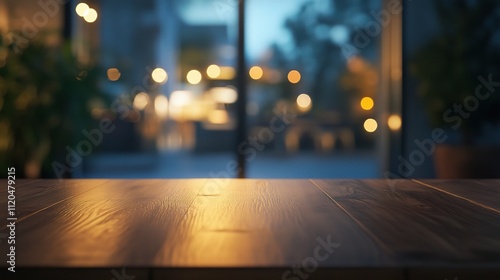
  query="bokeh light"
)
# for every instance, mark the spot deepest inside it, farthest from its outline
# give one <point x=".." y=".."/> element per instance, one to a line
<point x="213" y="71"/>
<point x="159" y="75"/>
<point x="304" y="101"/>
<point x="367" y="103"/>
<point x="394" y="122"/>
<point x="227" y="73"/>
<point x="225" y="95"/>
<point x="82" y="9"/>
<point x="180" y="98"/>
<point x="370" y="125"/>
<point x="113" y="74"/>
<point x="161" y="106"/>
<point x="218" y="117"/>
<point x="294" y="76"/>
<point x="194" y="77"/>
<point x="91" y="16"/>
<point x="256" y="72"/>
<point x="141" y="100"/>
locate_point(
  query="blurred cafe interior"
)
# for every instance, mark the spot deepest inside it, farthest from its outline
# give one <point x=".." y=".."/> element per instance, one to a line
<point x="274" y="89"/>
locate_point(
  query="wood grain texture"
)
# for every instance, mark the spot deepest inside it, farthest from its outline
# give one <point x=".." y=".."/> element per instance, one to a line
<point x="485" y="193"/>
<point x="180" y="223"/>
<point x="420" y="225"/>
<point x="255" y="229"/>
<point x="119" y="223"/>
<point x="270" y="223"/>
<point x="36" y="195"/>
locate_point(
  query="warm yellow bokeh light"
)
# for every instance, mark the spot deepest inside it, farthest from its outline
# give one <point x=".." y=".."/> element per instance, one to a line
<point x="194" y="77"/>
<point x="370" y="125"/>
<point x="141" y="100"/>
<point x="304" y="101"/>
<point x="225" y="95"/>
<point x="226" y="73"/>
<point x="218" y="117"/>
<point x="394" y="122"/>
<point x="367" y="103"/>
<point x="181" y="98"/>
<point x="113" y="74"/>
<point x="294" y="76"/>
<point x="82" y="9"/>
<point x="161" y="106"/>
<point x="213" y="71"/>
<point x="159" y="75"/>
<point x="91" y="16"/>
<point x="256" y="72"/>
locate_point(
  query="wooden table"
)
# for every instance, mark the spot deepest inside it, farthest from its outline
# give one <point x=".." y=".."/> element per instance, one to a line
<point x="254" y="229"/>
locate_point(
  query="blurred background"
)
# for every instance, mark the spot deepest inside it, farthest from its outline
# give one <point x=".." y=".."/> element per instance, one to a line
<point x="332" y="88"/>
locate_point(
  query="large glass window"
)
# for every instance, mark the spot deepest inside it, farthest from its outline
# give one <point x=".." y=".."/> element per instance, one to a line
<point x="166" y="74"/>
<point x="314" y="60"/>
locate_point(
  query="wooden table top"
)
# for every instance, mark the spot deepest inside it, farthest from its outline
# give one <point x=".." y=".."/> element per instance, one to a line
<point x="254" y="229"/>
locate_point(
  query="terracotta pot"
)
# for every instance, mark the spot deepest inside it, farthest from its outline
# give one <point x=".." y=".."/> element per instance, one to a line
<point x="466" y="162"/>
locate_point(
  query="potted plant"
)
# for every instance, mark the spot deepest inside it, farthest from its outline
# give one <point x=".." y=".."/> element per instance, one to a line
<point x="459" y="82"/>
<point x="45" y="102"/>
